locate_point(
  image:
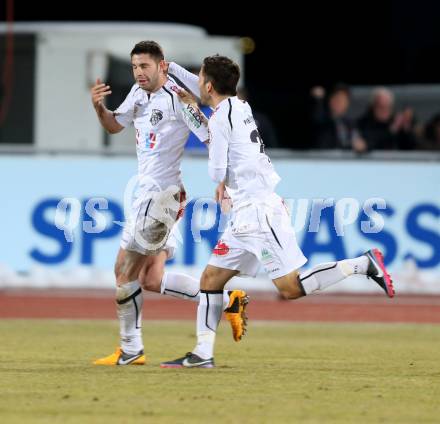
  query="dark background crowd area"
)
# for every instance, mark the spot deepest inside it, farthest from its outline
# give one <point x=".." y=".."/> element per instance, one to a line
<point x="358" y="76"/>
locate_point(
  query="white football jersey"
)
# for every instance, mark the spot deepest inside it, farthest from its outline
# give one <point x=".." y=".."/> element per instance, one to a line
<point x="236" y="146"/>
<point x="162" y="124"/>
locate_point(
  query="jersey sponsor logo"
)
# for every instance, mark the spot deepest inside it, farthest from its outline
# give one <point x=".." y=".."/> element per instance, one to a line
<point x="194" y="115"/>
<point x="249" y="120"/>
<point x="152" y="140"/>
<point x="221" y="249"/>
<point x="266" y="255"/>
<point x="274" y="270"/>
<point x="156" y="116"/>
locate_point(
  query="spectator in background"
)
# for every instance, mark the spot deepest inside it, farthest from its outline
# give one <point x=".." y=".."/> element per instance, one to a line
<point x="332" y="128"/>
<point x="431" y="134"/>
<point x="264" y="124"/>
<point x="382" y="129"/>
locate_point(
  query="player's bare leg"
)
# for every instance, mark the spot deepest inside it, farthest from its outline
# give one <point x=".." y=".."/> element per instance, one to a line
<point x="288" y="286"/>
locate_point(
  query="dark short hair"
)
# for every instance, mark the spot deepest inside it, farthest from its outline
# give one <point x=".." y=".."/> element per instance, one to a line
<point x="223" y="73"/>
<point x="340" y="87"/>
<point x="148" y="47"/>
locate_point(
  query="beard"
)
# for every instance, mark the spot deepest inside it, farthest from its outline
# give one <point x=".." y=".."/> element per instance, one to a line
<point x="204" y="97"/>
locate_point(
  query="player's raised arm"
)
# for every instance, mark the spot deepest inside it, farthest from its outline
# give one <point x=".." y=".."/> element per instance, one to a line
<point x="106" y="117"/>
<point x="187" y="97"/>
<point x="188" y="78"/>
<point x="191" y="114"/>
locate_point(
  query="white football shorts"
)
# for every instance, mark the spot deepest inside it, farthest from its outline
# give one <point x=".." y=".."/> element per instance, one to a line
<point x="153" y="222"/>
<point x="259" y="234"/>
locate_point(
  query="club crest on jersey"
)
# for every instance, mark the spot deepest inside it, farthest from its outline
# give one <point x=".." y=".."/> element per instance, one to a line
<point x="156" y="116"/>
<point x="221" y="248"/>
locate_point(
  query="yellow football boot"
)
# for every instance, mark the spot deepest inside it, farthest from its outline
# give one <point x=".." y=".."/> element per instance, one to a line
<point x="236" y="313"/>
<point x="122" y="358"/>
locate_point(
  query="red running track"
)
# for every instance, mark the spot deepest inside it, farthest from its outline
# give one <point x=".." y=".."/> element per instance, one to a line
<point x="99" y="304"/>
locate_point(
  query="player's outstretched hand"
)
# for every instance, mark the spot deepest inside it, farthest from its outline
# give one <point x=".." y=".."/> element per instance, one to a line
<point x="98" y="92"/>
<point x="186" y="97"/>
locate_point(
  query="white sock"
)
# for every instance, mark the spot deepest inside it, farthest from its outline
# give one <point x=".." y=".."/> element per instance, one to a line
<point x="357" y="265"/>
<point x="324" y="275"/>
<point x="225" y="299"/>
<point x="129" y="301"/>
<point x="180" y="285"/>
<point x="209" y="313"/>
<point x="186" y="287"/>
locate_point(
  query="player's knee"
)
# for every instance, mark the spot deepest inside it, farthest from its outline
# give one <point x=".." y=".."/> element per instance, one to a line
<point x="213" y="279"/>
<point x="290" y="293"/>
<point x="294" y="290"/>
<point x="204" y="279"/>
<point x="207" y="279"/>
<point x="289" y="287"/>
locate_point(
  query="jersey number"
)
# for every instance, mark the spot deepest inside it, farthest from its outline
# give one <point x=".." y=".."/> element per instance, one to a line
<point x="256" y="138"/>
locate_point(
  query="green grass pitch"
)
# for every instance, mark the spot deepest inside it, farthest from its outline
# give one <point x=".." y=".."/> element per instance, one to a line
<point x="281" y="372"/>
